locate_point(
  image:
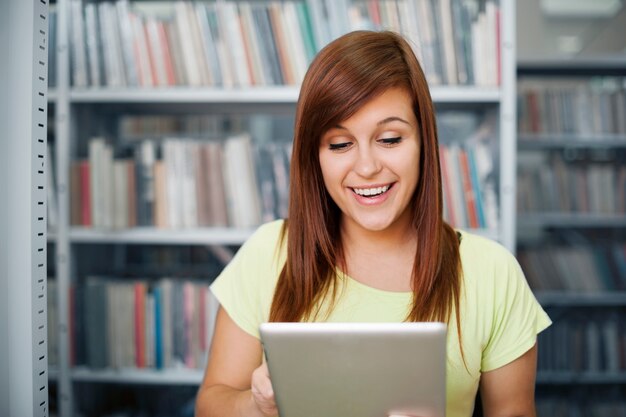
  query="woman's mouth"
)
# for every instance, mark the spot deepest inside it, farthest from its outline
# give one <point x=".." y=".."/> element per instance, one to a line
<point x="372" y="192"/>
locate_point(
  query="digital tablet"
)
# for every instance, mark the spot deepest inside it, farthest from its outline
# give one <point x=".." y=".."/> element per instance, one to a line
<point x="357" y="369"/>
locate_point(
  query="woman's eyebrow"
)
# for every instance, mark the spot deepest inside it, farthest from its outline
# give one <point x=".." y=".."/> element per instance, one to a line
<point x="380" y="123"/>
<point x="392" y="119"/>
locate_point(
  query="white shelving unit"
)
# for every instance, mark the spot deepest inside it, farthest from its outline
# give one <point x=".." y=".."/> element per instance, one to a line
<point x="66" y="99"/>
<point x="23" y="173"/>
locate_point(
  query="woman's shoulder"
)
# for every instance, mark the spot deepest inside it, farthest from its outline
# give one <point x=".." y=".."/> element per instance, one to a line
<point x="480" y="248"/>
<point x="266" y="240"/>
<point x="484" y="259"/>
<point x="269" y="230"/>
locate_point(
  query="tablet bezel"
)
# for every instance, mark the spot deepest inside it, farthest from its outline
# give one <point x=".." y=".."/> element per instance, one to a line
<point x="357" y="369"/>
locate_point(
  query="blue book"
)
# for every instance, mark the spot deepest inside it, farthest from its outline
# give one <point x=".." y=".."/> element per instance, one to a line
<point x="158" y="333"/>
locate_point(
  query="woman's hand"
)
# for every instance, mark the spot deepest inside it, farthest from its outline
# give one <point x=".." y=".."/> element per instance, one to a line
<point x="262" y="391"/>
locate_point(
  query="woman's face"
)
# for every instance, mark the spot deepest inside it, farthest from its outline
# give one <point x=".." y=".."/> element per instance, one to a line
<point x="370" y="162"/>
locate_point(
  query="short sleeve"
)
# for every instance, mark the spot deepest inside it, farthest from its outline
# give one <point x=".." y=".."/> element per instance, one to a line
<point x="245" y="287"/>
<point x="517" y="317"/>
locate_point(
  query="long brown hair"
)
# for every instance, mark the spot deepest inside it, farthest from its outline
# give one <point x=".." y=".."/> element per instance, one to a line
<point x="345" y="75"/>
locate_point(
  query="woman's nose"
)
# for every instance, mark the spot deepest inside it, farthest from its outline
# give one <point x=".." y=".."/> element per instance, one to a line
<point x="367" y="164"/>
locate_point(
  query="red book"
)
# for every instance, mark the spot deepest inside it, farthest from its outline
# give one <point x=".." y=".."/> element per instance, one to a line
<point x="281" y="44"/>
<point x="468" y="190"/>
<point x="533" y="111"/>
<point x="374" y="11"/>
<point x="248" y="50"/>
<point x="85" y="194"/>
<point x="167" y="56"/>
<point x="140" y="324"/>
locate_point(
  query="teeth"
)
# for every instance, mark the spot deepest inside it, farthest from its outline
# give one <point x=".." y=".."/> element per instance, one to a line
<point x="371" y="191"/>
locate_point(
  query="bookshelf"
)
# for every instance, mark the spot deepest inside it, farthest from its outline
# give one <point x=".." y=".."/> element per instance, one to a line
<point x="85" y="111"/>
<point x="581" y="351"/>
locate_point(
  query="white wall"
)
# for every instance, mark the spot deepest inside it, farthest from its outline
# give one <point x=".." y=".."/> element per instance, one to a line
<point x="545" y="37"/>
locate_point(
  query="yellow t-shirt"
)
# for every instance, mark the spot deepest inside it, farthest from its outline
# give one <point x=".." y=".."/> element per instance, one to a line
<point x="500" y="317"/>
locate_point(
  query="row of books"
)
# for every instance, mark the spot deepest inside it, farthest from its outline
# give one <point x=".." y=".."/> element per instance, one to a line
<point x="235" y="182"/>
<point x="121" y="323"/>
<point x="578" y="268"/>
<point x="553" y="183"/>
<point x="193" y="184"/>
<point x="584" y="342"/>
<point x="133" y="128"/>
<point x="245" y="43"/>
<point x="581" y="106"/>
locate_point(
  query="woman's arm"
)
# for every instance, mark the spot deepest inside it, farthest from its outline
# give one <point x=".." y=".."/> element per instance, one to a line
<point x="509" y="391"/>
<point x="225" y="389"/>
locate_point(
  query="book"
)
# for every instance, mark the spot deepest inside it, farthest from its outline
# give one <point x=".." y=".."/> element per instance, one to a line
<point x="145" y="156"/>
<point x="93" y="44"/>
<point x="78" y="54"/>
<point x="240" y="182"/>
<point x="95" y="311"/>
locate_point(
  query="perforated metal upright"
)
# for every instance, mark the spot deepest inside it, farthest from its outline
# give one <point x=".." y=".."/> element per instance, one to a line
<point x="23" y="114"/>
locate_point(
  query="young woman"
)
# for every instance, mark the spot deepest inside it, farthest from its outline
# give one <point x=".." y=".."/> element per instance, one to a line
<point x="365" y="242"/>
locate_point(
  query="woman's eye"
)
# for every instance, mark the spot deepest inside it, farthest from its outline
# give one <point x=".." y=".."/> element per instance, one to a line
<point x="390" y="141"/>
<point x="338" y="146"/>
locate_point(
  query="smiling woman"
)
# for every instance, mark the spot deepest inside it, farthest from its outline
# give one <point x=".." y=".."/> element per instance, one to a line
<point x="365" y="241"/>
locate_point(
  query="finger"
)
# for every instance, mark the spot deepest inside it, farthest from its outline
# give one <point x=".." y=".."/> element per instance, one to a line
<point x="262" y="385"/>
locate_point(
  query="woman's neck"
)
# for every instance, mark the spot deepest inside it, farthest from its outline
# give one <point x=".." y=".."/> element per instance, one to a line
<point x="395" y="237"/>
<point x="380" y="259"/>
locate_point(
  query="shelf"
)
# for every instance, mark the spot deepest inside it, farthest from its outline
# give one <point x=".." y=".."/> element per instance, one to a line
<point x="465" y="95"/>
<point x="565" y="377"/>
<point x="149" y="235"/>
<point x="556" y="141"/>
<point x="256" y="95"/>
<point x="572" y="299"/>
<point x="199" y="236"/>
<point x="578" y="220"/>
<point x="52" y="95"/>
<point x="605" y="65"/>
<point x="139" y="376"/>
<point x="51" y="236"/>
